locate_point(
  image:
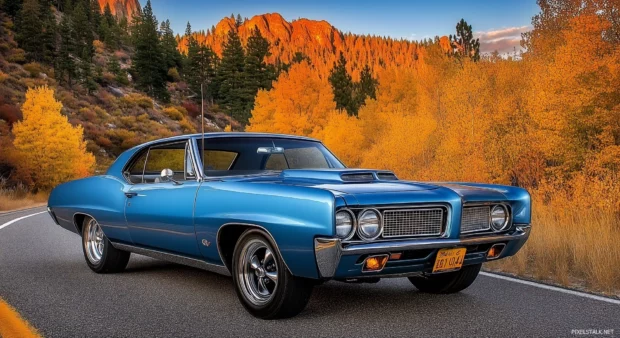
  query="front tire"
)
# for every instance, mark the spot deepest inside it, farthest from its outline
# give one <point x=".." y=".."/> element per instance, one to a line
<point x="263" y="283"/>
<point x="449" y="282"/>
<point x="99" y="253"/>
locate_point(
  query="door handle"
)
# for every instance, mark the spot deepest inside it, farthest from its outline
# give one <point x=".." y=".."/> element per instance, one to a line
<point x="130" y="194"/>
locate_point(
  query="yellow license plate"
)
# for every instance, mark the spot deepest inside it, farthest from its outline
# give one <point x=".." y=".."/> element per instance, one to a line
<point x="449" y="259"/>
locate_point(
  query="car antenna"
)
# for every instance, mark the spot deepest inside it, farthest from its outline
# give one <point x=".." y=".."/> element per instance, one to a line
<point x="202" y="109"/>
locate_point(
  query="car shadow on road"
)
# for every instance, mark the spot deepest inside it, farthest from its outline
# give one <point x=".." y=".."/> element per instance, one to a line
<point x="331" y="298"/>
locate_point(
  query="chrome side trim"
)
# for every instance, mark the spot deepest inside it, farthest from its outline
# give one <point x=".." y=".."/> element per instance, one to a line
<point x="327" y="252"/>
<point x="173" y="258"/>
<point x="273" y="241"/>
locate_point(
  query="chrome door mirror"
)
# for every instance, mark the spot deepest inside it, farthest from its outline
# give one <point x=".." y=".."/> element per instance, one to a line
<point x="167" y="175"/>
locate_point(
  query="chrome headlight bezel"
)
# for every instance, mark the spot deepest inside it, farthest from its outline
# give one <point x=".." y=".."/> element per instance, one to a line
<point x="353" y="229"/>
<point x="499" y="225"/>
<point x="360" y="227"/>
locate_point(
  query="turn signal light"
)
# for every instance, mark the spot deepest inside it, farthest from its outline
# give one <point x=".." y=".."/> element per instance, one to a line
<point x="495" y="251"/>
<point x="375" y="263"/>
<point x="395" y="256"/>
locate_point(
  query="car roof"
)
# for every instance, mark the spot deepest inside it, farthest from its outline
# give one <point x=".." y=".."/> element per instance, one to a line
<point x="229" y="135"/>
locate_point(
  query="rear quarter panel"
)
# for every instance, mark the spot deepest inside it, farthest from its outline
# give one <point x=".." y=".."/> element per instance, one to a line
<point x="101" y="197"/>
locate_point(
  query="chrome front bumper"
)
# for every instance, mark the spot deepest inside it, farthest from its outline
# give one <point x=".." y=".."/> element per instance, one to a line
<point x="328" y="251"/>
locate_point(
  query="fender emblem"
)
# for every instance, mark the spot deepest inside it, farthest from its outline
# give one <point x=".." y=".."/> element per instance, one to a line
<point x="205" y="242"/>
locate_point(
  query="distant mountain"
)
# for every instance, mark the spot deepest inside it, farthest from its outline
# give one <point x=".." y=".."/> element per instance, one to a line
<point x="122" y="8"/>
<point x="317" y="40"/>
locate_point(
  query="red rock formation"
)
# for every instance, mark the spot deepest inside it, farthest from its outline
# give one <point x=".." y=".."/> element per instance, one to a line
<point x="318" y="40"/>
<point x="121" y="8"/>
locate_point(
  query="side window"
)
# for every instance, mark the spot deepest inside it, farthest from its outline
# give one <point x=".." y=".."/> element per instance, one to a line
<point x="135" y="171"/>
<point x="148" y="166"/>
<point x="219" y="159"/>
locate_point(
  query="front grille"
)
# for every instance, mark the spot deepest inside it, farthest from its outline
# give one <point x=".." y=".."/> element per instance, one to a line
<point x="476" y="219"/>
<point x="413" y="222"/>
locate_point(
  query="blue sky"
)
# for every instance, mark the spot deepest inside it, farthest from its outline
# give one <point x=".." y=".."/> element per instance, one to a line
<point x="498" y="23"/>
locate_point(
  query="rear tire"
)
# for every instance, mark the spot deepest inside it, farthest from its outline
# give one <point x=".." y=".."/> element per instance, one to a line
<point x="263" y="283"/>
<point x="100" y="255"/>
<point x="449" y="282"/>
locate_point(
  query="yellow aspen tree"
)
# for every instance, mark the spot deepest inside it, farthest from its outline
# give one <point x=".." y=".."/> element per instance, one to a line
<point x="48" y="149"/>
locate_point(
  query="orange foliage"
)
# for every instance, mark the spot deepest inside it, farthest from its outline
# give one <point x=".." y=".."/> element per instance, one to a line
<point x="299" y="103"/>
<point x="48" y="150"/>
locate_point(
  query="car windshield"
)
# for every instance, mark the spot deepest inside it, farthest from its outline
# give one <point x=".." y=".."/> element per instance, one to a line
<point x="253" y="155"/>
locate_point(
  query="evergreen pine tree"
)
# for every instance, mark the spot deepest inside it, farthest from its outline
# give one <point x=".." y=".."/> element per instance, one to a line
<point x="464" y="41"/>
<point x="230" y="78"/>
<point x="65" y="66"/>
<point x="83" y="31"/>
<point x="200" y="67"/>
<point x="366" y="87"/>
<point x="114" y="67"/>
<point x="48" y="33"/>
<point x="148" y="61"/>
<point x="172" y="56"/>
<point x="12" y="7"/>
<point x="257" y="72"/>
<point x="29" y="30"/>
<point x="342" y="86"/>
<point x="95" y="15"/>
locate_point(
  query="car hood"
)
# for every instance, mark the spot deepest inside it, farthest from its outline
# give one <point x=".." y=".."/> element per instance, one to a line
<point x="362" y="186"/>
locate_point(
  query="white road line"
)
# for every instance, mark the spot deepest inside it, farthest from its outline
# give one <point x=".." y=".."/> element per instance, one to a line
<point x="552" y="288"/>
<point x="19" y="219"/>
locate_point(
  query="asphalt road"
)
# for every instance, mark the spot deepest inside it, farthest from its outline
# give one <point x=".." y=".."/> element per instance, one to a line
<point x="44" y="276"/>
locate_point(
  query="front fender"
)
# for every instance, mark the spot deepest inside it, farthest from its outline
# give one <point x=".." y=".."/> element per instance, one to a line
<point x="292" y="215"/>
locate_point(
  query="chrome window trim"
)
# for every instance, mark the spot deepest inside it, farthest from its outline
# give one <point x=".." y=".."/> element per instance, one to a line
<point x="147" y="149"/>
<point x="358" y="232"/>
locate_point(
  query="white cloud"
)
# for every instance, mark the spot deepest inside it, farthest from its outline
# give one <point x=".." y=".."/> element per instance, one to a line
<point x="504" y="40"/>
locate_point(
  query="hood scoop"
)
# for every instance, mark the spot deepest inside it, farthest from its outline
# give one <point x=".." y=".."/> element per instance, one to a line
<point x="340" y="175"/>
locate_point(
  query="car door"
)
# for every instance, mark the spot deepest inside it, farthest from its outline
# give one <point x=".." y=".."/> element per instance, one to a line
<point x="159" y="211"/>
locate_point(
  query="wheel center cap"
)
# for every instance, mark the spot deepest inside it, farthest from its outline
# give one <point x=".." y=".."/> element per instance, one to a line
<point x="260" y="272"/>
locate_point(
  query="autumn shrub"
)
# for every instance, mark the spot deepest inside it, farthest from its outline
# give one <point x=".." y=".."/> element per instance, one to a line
<point x="173" y="113"/>
<point x="3" y="76"/>
<point x="186" y="126"/>
<point x="34" y="69"/>
<point x="17" y="55"/>
<point x="137" y="100"/>
<point x="99" y="46"/>
<point x="193" y="110"/>
<point x="173" y="75"/>
<point x="10" y="113"/>
<point x="48" y="149"/>
<point x="18" y="196"/>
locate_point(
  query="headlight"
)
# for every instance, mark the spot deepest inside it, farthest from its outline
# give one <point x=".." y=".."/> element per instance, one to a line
<point x="345" y="224"/>
<point x="499" y="217"/>
<point x="369" y="224"/>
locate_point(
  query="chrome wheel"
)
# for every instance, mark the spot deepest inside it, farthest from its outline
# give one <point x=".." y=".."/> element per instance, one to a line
<point x="257" y="272"/>
<point x="93" y="241"/>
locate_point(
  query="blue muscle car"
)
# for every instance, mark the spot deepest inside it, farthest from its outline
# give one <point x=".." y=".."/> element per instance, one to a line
<point x="281" y="214"/>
